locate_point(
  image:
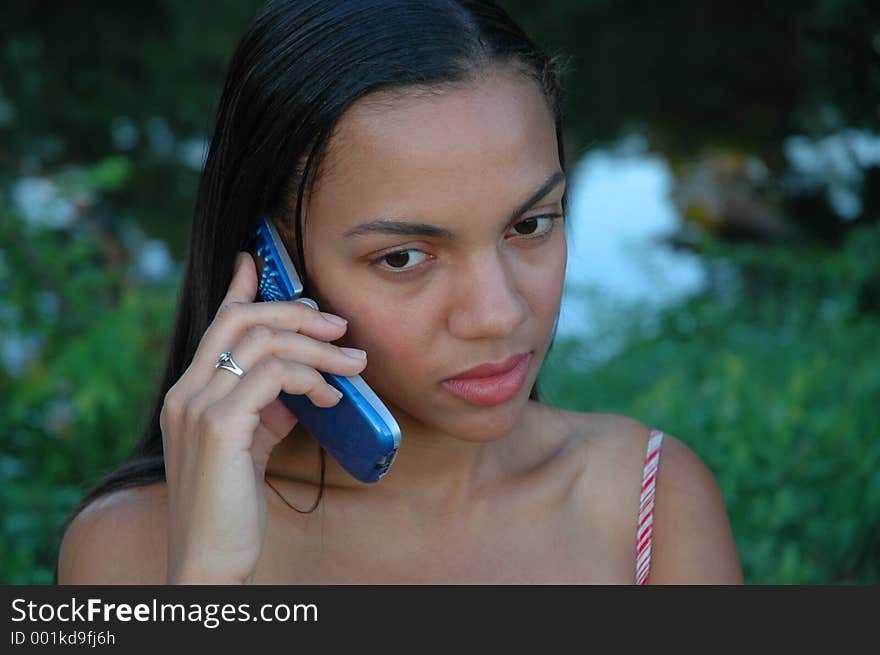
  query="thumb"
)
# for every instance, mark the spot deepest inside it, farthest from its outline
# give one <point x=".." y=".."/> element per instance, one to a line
<point x="243" y="287"/>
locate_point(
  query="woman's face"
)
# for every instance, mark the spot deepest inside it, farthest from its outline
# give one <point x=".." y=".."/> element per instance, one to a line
<point x="483" y="283"/>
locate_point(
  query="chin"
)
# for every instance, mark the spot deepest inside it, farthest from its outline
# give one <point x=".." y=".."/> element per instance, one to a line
<point x="472" y="423"/>
<point x="491" y="424"/>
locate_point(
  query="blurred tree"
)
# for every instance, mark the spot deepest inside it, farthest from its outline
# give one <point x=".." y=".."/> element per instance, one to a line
<point x="737" y="73"/>
<point x="732" y="76"/>
<point x="81" y="80"/>
<point x="84" y="319"/>
<point x="89" y="78"/>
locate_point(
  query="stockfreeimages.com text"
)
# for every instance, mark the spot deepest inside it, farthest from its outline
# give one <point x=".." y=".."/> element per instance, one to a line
<point x="211" y="615"/>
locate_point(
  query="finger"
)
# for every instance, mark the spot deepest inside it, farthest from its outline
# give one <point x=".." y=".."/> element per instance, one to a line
<point x="234" y="319"/>
<point x="244" y="283"/>
<point x="260" y="341"/>
<point x="277" y="418"/>
<point x="234" y="417"/>
<point x="237" y="317"/>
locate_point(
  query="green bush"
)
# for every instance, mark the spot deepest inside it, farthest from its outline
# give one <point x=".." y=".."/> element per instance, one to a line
<point x="775" y="383"/>
<point x="72" y="410"/>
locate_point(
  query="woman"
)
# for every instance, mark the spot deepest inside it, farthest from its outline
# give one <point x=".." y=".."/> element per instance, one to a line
<point x="409" y="153"/>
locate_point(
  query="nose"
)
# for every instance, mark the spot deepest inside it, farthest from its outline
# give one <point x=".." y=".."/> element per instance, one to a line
<point x="487" y="303"/>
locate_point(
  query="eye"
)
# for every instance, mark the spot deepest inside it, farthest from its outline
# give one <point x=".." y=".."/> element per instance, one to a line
<point x="536" y="227"/>
<point x="398" y="260"/>
<point x="402" y="261"/>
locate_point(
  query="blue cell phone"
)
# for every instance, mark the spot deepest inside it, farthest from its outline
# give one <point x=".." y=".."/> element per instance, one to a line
<point x="359" y="432"/>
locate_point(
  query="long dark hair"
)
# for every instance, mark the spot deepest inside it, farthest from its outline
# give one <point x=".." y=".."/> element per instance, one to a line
<point x="299" y="66"/>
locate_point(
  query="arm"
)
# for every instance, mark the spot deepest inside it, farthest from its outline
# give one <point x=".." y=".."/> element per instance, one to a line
<point x="693" y="542"/>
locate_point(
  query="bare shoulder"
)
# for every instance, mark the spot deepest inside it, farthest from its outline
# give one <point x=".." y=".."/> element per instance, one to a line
<point x="603" y="443"/>
<point x="117" y="539"/>
<point x="693" y="542"/>
<point x="608" y="452"/>
<point x="692" y="539"/>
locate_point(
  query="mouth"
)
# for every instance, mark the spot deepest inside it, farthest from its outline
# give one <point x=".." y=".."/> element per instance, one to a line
<point x="491" y="384"/>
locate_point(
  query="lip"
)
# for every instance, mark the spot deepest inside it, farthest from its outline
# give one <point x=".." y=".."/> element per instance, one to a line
<point x="489" y="370"/>
<point x="491" y="384"/>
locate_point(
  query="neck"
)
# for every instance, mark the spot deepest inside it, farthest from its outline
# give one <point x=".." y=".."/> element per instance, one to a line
<point x="431" y="466"/>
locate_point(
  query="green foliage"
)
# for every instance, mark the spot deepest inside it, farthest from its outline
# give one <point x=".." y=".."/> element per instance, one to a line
<point x="72" y="410"/>
<point x="140" y="78"/>
<point x="775" y="384"/>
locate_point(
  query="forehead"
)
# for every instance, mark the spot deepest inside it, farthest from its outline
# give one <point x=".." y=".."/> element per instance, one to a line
<point x="490" y="140"/>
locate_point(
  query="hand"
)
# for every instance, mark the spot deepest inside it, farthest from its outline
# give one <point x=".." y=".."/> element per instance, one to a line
<point x="218" y="429"/>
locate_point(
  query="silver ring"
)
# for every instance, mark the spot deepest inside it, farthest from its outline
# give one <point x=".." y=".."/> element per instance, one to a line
<point x="226" y="362"/>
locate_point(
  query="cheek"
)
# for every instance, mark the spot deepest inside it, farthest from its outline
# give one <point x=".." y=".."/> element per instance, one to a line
<point x="398" y="346"/>
<point x="378" y="322"/>
<point x="544" y="284"/>
<point x="388" y="332"/>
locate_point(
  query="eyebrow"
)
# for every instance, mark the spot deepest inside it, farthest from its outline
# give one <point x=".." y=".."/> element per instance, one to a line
<point x="407" y="228"/>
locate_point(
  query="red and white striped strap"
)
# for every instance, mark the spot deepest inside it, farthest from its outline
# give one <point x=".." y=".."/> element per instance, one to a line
<point x="646" y="508"/>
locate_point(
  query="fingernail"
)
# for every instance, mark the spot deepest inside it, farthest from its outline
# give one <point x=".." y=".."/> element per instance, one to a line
<point x="354" y="352"/>
<point x="333" y="318"/>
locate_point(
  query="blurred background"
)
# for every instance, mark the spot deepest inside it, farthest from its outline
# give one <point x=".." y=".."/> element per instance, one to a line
<point x="724" y="264"/>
